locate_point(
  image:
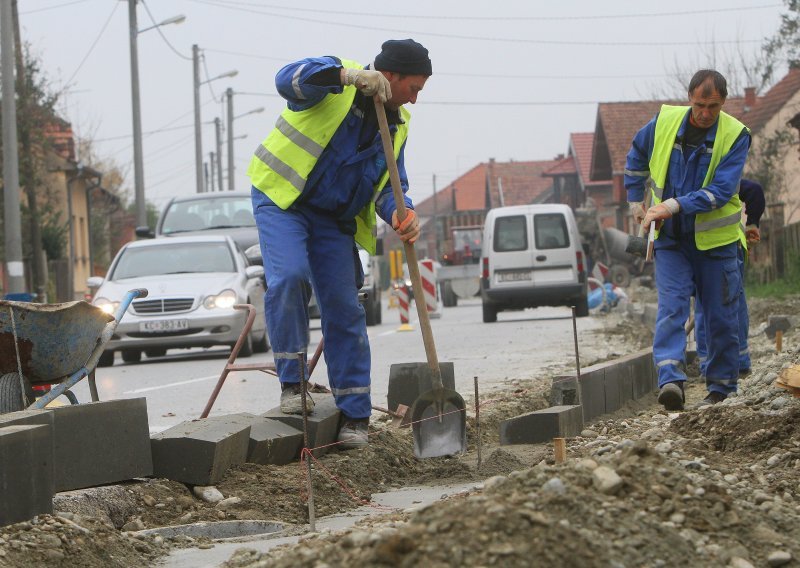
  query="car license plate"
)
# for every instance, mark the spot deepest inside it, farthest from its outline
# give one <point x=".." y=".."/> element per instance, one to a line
<point x="517" y="276"/>
<point x="163" y="325"/>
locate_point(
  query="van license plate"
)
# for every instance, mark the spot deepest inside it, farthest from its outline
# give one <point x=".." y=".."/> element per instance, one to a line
<point x="163" y="325"/>
<point x="514" y="276"/>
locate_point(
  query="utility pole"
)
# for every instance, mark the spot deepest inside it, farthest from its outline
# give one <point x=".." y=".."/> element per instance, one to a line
<point x="15" y="269"/>
<point x="198" y="135"/>
<point x="205" y="177"/>
<point x="138" y="160"/>
<point x="229" y="94"/>
<point x="218" y="132"/>
<point x="26" y="168"/>
<point x="435" y="220"/>
<point x="212" y="164"/>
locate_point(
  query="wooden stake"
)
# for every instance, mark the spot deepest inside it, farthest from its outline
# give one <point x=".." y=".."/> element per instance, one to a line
<point x="560" y="447"/>
<point x="779" y="340"/>
<point x="478" y="421"/>
<point x="301" y="360"/>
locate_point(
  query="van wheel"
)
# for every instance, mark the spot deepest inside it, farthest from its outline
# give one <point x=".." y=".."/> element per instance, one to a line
<point x="489" y="312"/>
<point x="582" y="307"/>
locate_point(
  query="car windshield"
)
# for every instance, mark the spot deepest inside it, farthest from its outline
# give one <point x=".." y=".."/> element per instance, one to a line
<point x="174" y="258"/>
<point x="214" y="213"/>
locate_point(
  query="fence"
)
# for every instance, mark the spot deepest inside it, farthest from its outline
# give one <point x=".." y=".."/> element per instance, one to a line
<point x="779" y="246"/>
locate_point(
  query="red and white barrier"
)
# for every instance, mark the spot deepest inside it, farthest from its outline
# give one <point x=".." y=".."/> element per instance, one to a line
<point x="427" y="271"/>
<point x="402" y="304"/>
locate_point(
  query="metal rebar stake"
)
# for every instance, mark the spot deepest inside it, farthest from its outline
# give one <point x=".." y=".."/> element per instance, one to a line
<point x="301" y="364"/>
<point x="478" y="421"/>
<point x="577" y="357"/>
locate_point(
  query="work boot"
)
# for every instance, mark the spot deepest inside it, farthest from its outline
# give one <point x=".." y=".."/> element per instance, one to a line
<point x="292" y="399"/>
<point x="713" y="398"/>
<point x="354" y="433"/>
<point x="671" y="396"/>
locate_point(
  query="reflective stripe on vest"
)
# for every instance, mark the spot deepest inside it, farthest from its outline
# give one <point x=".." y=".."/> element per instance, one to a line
<point x="717" y="227"/>
<point x="282" y="163"/>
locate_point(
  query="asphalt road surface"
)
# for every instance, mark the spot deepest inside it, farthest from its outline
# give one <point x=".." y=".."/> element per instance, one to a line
<point x="517" y="346"/>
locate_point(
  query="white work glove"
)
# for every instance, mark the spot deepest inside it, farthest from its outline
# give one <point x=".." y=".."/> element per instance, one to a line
<point x="369" y="82"/>
<point x="663" y="210"/>
<point x="637" y="210"/>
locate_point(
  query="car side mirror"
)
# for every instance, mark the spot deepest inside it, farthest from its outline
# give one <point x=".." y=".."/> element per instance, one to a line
<point x="94" y="282"/>
<point x="253" y="255"/>
<point x="379" y="247"/>
<point x="145" y="232"/>
<point x="254" y="271"/>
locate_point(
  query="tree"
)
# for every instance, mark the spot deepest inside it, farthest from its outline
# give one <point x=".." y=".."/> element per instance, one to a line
<point x="784" y="46"/>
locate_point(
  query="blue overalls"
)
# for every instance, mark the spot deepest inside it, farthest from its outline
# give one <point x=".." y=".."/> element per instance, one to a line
<point x="312" y="241"/>
<point x="681" y="268"/>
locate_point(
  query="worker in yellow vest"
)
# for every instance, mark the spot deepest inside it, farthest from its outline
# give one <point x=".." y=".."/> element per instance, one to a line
<point x="319" y="178"/>
<point x="693" y="156"/>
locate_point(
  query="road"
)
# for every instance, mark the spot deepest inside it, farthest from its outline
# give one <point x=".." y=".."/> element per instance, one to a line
<point x="517" y="346"/>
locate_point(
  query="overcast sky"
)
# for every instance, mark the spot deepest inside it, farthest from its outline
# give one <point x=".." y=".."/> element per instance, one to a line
<point x="510" y="80"/>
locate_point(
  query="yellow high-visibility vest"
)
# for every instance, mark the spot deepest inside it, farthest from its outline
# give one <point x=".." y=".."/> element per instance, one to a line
<point x="713" y="228"/>
<point x="283" y="161"/>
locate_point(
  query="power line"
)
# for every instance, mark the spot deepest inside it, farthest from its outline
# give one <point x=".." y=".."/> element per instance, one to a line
<point x="240" y="54"/>
<point x="160" y="130"/>
<point x="208" y="79"/>
<point x="484" y="38"/>
<point x="62" y="5"/>
<point x="231" y="4"/>
<point x="158" y="29"/>
<point x="94" y="43"/>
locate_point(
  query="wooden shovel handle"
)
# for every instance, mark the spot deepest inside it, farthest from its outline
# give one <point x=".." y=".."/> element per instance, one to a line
<point x="411" y="253"/>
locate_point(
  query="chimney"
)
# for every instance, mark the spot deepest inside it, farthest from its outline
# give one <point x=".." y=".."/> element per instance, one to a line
<point x="749" y="97"/>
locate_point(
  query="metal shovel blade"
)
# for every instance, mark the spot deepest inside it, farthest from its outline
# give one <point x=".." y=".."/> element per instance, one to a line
<point x="439" y="424"/>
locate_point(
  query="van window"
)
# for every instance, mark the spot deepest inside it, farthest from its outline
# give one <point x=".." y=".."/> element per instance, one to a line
<point x="550" y="230"/>
<point x="510" y="234"/>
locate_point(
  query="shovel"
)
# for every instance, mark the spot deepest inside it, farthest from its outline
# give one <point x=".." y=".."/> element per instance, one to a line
<point x="439" y="416"/>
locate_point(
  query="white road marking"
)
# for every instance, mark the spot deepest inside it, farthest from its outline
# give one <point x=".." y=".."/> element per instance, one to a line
<point x="170" y="385"/>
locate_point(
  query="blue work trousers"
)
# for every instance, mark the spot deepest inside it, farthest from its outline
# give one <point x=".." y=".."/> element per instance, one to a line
<point x="681" y="270"/>
<point x="300" y="245"/>
<point x="744" y="328"/>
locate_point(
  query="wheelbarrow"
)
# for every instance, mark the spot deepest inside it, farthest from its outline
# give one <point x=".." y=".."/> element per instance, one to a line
<point x="52" y="344"/>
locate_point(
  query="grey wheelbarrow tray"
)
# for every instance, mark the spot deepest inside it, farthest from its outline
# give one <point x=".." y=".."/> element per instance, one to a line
<point x="55" y="344"/>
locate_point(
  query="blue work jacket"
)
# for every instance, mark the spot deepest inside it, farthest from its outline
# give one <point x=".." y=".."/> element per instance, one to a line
<point x="343" y="179"/>
<point x="687" y="171"/>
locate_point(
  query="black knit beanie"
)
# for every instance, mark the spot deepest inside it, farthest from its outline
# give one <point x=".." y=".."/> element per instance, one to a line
<point x="404" y="56"/>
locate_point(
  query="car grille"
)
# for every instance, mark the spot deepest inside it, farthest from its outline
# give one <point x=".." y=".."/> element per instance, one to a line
<point x="163" y="306"/>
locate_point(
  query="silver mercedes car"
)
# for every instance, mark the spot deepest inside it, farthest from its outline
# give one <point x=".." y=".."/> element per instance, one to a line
<point x="193" y="281"/>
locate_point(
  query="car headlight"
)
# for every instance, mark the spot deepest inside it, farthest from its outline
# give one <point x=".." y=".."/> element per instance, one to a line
<point x="106" y="305"/>
<point x="224" y="300"/>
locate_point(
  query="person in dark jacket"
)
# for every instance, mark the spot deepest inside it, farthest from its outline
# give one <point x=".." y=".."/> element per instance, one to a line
<point x="319" y="179"/>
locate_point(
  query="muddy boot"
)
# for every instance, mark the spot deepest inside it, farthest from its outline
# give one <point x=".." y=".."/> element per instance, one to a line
<point x="713" y="398"/>
<point x="354" y="433"/>
<point x="292" y="399"/>
<point x="671" y="396"/>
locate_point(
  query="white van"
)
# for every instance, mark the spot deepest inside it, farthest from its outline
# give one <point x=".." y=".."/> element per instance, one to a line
<point x="532" y="256"/>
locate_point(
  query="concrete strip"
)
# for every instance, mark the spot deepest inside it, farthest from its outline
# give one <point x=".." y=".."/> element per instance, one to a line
<point x="26" y="475"/>
<point x="199" y="452"/>
<point x="542" y="425"/>
<point x="393" y="500"/>
<point x="408" y="380"/>
<point x="323" y="423"/>
<point x="101" y="442"/>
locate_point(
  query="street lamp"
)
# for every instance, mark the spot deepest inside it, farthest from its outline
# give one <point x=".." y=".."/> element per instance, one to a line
<point x="231" y="118"/>
<point x="138" y="166"/>
<point x="198" y="137"/>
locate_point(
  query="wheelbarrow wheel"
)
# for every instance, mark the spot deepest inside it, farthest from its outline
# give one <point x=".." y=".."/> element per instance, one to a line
<point x="11" y="393"/>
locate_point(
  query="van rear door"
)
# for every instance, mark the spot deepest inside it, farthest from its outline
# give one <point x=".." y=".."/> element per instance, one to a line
<point x="554" y="255"/>
<point x="512" y="254"/>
